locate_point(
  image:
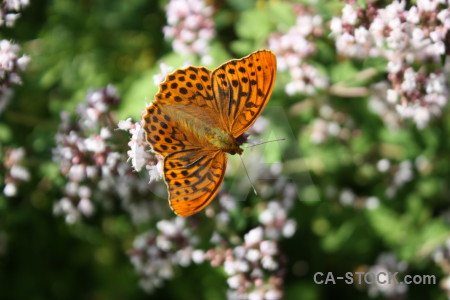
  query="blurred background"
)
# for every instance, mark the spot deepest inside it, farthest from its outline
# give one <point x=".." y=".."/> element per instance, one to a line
<point x="360" y="184"/>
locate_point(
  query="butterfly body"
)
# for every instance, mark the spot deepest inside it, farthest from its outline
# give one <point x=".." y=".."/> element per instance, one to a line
<point x="188" y="120"/>
<point x="224" y="141"/>
<point x="198" y="117"/>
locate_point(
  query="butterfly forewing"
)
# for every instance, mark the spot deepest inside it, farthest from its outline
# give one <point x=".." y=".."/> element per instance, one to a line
<point x="185" y="94"/>
<point x="242" y="89"/>
<point x="163" y="132"/>
<point x="190" y="86"/>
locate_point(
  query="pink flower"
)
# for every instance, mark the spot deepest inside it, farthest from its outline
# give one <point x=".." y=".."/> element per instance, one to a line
<point x="405" y="37"/>
<point x="294" y="47"/>
<point x="190" y="27"/>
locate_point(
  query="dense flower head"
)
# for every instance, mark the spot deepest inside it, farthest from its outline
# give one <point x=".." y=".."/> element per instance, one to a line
<point x="92" y="156"/>
<point x="11" y="64"/>
<point x="15" y="170"/>
<point x="294" y="47"/>
<point x="347" y="197"/>
<point x="190" y="27"/>
<point x="330" y="124"/>
<point x="383" y="102"/>
<point x="254" y="268"/>
<point x="393" y="32"/>
<point x="165" y="70"/>
<point x="396" y="176"/>
<point x="140" y="154"/>
<point x="388" y="263"/>
<point x="276" y="222"/>
<point x="156" y="254"/>
<point x="441" y="256"/>
<point x="9" y="11"/>
<point x="255" y="265"/>
<point x="404" y="36"/>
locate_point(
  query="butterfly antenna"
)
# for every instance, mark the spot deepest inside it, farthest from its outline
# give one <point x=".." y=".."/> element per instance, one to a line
<point x="254" y="190"/>
<point x="277" y="140"/>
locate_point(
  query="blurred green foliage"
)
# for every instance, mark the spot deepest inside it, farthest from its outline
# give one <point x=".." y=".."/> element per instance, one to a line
<point x="77" y="45"/>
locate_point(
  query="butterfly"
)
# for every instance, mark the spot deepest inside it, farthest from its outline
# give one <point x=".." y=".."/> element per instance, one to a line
<point x="198" y="116"/>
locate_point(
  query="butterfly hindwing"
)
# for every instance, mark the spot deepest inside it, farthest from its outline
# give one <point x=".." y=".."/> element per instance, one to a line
<point x="193" y="179"/>
<point x="243" y="87"/>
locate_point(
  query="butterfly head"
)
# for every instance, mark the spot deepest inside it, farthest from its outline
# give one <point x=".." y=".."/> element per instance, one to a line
<point x="223" y="140"/>
<point x="231" y="145"/>
<point x="242" y="139"/>
<point x="236" y="150"/>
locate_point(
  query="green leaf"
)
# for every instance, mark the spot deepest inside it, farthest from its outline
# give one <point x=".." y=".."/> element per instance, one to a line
<point x="242" y="47"/>
<point x="144" y="89"/>
<point x="388" y="225"/>
<point x="336" y="239"/>
<point x="304" y="290"/>
<point x="282" y="14"/>
<point x="5" y="133"/>
<point x="253" y="25"/>
<point x="410" y="239"/>
<point x="343" y="71"/>
<point x="433" y="235"/>
<point x="240" y="5"/>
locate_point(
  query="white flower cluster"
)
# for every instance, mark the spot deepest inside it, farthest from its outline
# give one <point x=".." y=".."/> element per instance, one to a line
<point x="15" y="171"/>
<point x="88" y="152"/>
<point x="394" y="32"/>
<point x="347" y="197"/>
<point x="155" y="255"/>
<point x="9" y="11"/>
<point x="253" y="268"/>
<point x="292" y="50"/>
<point x="403" y="37"/>
<point x="330" y="124"/>
<point x="140" y="153"/>
<point x="441" y="256"/>
<point x="399" y="174"/>
<point x="11" y="63"/>
<point x="83" y="153"/>
<point x="426" y="106"/>
<point x="383" y="102"/>
<point x="98" y="103"/>
<point x="190" y="27"/>
<point x="388" y="263"/>
<point x="160" y="77"/>
<point x="275" y="221"/>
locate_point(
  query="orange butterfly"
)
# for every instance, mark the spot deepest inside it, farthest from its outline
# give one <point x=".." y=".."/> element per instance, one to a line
<point x="198" y="116"/>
